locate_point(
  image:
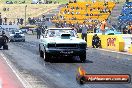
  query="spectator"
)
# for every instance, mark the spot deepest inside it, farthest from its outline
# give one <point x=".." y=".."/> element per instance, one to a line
<point x="21" y="21"/>
<point x="46" y="27"/>
<point x="67" y="4"/>
<point x="102" y="27"/>
<point x="10" y="23"/>
<point x="127" y="0"/>
<point x="87" y="14"/>
<point x="0" y="20"/>
<point x="96" y="42"/>
<point x="18" y="20"/>
<point x="29" y="20"/>
<point x="76" y="26"/>
<point x="42" y="29"/>
<point x="5" y="20"/>
<point x="84" y="31"/>
<point x="95" y="29"/>
<point x="62" y="26"/>
<point x="14" y="22"/>
<point x="91" y="14"/>
<point x="0" y="15"/>
<point x="65" y="11"/>
<point x="124" y="30"/>
<point x="4" y="39"/>
<point x="57" y="25"/>
<point x="77" y="8"/>
<point x="65" y="24"/>
<point x="70" y="1"/>
<point x="106" y="3"/>
<point x="38" y="32"/>
<point x="80" y="29"/>
<point x="130" y="29"/>
<point x="75" y="1"/>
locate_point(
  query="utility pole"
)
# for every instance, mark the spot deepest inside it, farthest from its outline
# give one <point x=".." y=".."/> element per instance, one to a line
<point x="25" y="14"/>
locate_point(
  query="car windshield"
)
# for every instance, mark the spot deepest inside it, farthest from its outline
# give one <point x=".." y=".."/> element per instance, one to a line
<point x="58" y="32"/>
<point x="13" y="32"/>
<point x="18" y="32"/>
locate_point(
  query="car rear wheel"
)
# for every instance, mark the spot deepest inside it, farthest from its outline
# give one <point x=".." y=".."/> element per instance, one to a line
<point x="24" y="40"/>
<point x="83" y="57"/>
<point x="41" y="54"/>
<point x="5" y="47"/>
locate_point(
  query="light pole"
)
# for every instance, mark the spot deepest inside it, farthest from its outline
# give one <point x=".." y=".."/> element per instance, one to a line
<point x="25" y="14"/>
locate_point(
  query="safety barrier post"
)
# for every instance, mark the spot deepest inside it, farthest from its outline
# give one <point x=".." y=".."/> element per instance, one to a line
<point x="130" y="49"/>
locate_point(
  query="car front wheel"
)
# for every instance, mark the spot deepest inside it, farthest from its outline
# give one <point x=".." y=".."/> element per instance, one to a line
<point x="46" y="56"/>
<point x="5" y="47"/>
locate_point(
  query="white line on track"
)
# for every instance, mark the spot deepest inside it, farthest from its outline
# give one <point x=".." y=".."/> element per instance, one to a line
<point x="0" y="83"/>
<point x="125" y="53"/>
<point x="19" y="76"/>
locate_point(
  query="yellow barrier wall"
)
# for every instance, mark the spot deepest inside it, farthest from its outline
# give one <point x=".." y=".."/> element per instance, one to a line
<point x="130" y="49"/>
<point x="112" y="42"/>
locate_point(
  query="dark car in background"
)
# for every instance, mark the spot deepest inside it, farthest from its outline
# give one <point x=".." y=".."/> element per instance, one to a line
<point x="17" y="35"/>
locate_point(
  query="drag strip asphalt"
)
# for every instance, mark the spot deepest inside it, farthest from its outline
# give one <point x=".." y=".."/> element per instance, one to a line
<point x="61" y="73"/>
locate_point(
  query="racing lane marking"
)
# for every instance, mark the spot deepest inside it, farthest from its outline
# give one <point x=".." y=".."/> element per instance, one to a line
<point x="125" y="53"/>
<point x="0" y="83"/>
<point x="18" y="75"/>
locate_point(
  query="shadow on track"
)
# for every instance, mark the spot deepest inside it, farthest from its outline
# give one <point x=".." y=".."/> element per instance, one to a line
<point x="67" y="60"/>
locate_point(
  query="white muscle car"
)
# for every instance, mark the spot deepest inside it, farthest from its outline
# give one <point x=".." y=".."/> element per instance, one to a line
<point x="61" y="42"/>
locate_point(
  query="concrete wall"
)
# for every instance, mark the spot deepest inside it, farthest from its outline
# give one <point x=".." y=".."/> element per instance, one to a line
<point x="111" y="42"/>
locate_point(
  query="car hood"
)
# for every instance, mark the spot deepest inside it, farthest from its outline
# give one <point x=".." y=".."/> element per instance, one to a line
<point x="60" y="40"/>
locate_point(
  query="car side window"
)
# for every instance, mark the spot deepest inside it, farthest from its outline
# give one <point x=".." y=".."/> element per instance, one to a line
<point x="51" y="33"/>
